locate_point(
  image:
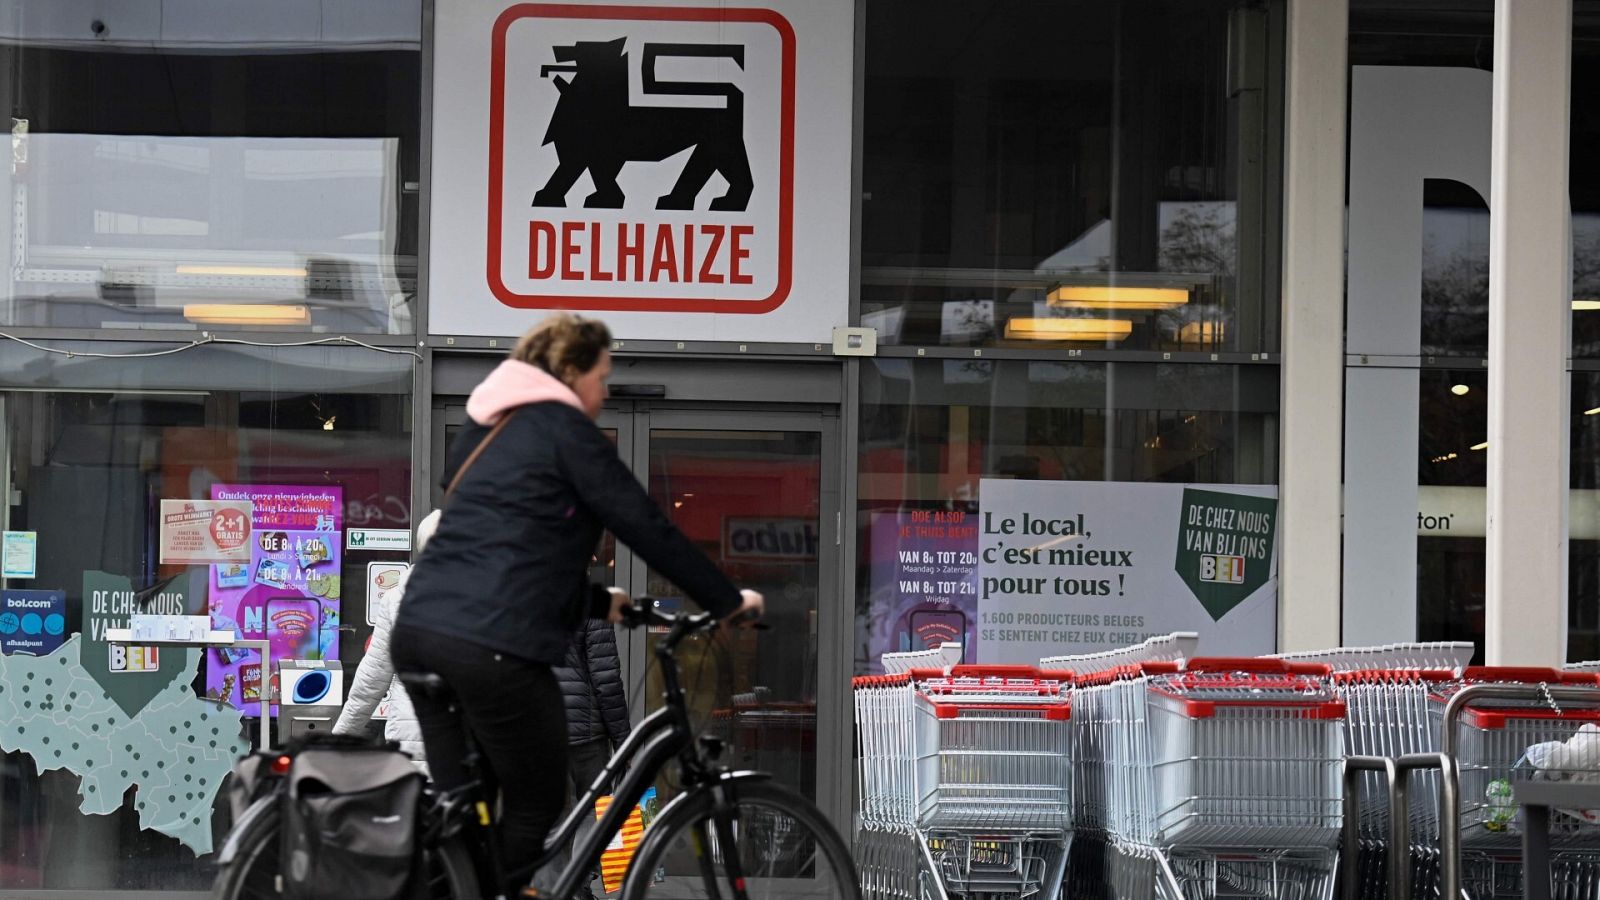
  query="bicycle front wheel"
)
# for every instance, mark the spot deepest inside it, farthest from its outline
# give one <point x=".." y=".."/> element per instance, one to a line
<point x="252" y="873"/>
<point x="765" y="843"/>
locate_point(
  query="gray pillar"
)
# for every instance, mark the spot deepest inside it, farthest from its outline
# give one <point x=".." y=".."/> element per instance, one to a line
<point x="1529" y="317"/>
<point x="1313" y="325"/>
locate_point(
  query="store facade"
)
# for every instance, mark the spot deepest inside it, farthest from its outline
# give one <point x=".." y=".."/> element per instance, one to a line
<point x="866" y="263"/>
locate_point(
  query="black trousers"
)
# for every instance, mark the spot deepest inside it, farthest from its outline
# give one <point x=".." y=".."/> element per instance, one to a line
<point x="518" y="721"/>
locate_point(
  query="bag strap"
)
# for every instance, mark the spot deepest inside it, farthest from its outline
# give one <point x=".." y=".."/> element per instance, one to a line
<point x="477" y="452"/>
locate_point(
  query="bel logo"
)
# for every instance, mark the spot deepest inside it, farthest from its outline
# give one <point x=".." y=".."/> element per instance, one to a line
<point x="120" y="658"/>
<point x="1222" y="569"/>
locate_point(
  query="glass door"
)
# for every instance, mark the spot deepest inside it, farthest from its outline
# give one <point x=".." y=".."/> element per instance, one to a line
<point x="757" y="490"/>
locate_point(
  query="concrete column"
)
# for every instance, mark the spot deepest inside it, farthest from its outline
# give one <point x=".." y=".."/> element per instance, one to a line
<point x="1313" y="325"/>
<point x="1529" y="317"/>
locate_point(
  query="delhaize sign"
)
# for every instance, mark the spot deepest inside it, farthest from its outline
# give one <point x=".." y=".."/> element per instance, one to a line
<point x="680" y="171"/>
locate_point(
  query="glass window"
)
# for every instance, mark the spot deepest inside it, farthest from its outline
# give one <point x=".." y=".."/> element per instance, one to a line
<point x="92" y="447"/>
<point x="1078" y="173"/>
<point x="211" y="169"/>
<point x="931" y="429"/>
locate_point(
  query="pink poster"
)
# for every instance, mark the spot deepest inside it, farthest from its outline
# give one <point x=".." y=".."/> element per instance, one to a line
<point x="924" y="588"/>
<point x="288" y="593"/>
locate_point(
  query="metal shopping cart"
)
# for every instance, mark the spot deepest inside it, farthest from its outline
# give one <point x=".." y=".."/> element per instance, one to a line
<point x="965" y="782"/>
<point x="1508" y="725"/>
<point x="993" y="774"/>
<point x="1220" y="779"/>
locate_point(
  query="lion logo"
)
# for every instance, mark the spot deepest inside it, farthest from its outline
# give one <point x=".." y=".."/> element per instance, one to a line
<point x="595" y="129"/>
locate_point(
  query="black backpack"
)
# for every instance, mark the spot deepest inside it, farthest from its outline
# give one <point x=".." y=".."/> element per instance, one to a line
<point x="350" y="825"/>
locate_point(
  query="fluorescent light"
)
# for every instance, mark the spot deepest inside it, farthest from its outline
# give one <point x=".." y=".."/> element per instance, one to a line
<point x="1592" y="412"/>
<point x="1585" y="305"/>
<point x="1482" y="446"/>
<point x="1027" y="329"/>
<point x="1460" y="390"/>
<point x="1116" y="297"/>
<point x="246" y="314"/>
<point x="247" y="271"/>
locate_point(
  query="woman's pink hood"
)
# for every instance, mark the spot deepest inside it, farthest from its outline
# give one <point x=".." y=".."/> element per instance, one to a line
<point x="514" y="383"/>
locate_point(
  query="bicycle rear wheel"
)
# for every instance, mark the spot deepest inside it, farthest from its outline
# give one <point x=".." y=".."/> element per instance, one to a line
<point x="252" y="874"/>
<point x="775" y="839"/>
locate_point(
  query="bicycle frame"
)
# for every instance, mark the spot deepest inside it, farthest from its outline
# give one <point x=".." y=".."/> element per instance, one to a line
<point x="663" y="734"/>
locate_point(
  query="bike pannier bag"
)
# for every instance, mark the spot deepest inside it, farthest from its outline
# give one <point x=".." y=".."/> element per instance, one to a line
<point x="350" y="825"/>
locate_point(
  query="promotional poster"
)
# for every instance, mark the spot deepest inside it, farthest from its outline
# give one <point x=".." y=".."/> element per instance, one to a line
<point x="925" y="574"/>
<point x="288" y="593"/>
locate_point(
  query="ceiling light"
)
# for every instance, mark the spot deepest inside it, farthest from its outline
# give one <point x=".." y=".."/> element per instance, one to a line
<point x="1109" y="297"/>
<point x="1068" y="329"/>
<point x="1460" y="390"/>
<point x="1592" y="412"/>
<point x="1482" y="446"/>
<point x="328" y="425"/>
<point x="246" y="314"/>
<point x="246" y="271"/>
<point x="1585" y="305"/>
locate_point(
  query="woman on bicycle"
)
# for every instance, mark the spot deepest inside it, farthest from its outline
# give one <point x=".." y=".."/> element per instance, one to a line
<point x="493" y="600"/>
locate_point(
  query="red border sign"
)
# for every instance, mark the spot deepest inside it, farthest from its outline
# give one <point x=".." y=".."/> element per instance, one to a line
<point x="497" y="94"/>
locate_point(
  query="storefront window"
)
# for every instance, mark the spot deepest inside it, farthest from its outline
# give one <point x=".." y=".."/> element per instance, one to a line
<point x="115" y="757"/>
<point x="210" y="169"/>
<point x="932" y="429"/>
<point x="1071" y="174"/>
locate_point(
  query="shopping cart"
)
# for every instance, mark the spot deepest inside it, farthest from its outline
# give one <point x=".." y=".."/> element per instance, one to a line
<point x="994" y="749"/>
<point x="1508" y="725"/>
<point x="1220" y="779"/>
<point x="1388" y="715"/>
<point x="890" y="857"/>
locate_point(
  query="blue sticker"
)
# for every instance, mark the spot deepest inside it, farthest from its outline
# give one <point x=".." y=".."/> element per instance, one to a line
<point x="55" y="623"/>
<point x="9" y="623"/>
<point x="32" y="624"/>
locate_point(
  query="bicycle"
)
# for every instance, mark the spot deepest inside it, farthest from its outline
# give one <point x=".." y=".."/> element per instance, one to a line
<point x="729" y="834"/>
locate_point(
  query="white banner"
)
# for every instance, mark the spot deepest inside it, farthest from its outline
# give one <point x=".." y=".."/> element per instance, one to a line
<point x="680" y="171"/>
<point x="1071" y="567"/>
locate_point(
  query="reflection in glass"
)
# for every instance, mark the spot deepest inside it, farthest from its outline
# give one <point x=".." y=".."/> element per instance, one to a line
<point x="751" y="500"/>
<point x="87" y="469"/>
<point x="1019" y="157"/>
<point x="932" y="429"/>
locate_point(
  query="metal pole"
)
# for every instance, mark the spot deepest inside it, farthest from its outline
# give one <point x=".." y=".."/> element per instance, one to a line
<point x="1350" y="837"/>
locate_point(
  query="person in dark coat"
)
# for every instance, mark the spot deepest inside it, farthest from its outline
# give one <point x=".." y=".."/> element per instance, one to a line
<point x="597" y="708"/>
<point x="493" y="600"/>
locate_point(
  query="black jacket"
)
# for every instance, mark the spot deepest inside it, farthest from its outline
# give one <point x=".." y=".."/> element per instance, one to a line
<point x="591" y="684"/>
<point x="508" y="566"/>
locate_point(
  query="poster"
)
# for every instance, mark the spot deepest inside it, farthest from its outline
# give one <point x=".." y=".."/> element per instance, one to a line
<point x="925" y="577"/>
<point x="680" y="169"/>
<point x="132" y="675"/>
<point x="384" y="583"/>
<point x="1070" y="567"/>
<point x="204" y="532"/>
<point x="19" y="557"/>
<point x="287" y="592"/>
<point x="33" y="622"/>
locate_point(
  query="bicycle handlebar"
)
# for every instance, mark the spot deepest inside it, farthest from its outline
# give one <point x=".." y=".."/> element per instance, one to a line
<point x="643" y="613"/>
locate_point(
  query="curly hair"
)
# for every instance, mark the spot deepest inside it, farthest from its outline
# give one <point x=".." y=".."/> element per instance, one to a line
<point x="564" y="345"/>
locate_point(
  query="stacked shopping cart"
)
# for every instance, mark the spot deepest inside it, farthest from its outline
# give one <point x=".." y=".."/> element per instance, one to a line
<point x="1217" y="779"/>
<point x="1520" y="733"/>
<point x="966" y="787"/>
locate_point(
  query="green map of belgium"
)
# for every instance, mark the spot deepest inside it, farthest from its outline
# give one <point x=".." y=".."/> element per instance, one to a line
<point x="174" y="751"/>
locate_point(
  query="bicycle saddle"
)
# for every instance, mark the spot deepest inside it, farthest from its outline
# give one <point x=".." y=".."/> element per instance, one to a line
<point x="426" y="684"/>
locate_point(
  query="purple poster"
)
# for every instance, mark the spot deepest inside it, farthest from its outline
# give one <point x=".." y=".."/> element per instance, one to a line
<point x="924" y="582"/>
<point x="287" y="594"/>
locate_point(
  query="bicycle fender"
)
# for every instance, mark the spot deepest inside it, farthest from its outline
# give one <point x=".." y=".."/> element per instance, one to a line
<point x="722" y="779"/>
<point x="262" y="808"/>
